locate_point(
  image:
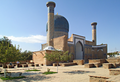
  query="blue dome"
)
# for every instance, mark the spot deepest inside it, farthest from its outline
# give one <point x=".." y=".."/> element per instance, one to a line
<point x="60" y="24"/>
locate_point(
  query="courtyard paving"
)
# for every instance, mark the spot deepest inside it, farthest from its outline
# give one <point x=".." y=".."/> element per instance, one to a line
<point x="76" y="73"/>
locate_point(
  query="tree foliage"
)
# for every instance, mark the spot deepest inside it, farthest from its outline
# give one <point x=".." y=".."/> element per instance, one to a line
<point x="58" y="56"/>
<point x="27" y="55"/>
<point x="10" y="53"/>
<point x="6" y="41"/>
<point x="113" y="53"/>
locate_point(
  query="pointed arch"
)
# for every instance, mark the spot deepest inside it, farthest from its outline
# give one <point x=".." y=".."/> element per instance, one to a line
<point x="79" y="50"/>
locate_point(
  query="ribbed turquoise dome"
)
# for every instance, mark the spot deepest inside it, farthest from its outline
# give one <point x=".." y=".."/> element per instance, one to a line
<point x="60" y="24"/>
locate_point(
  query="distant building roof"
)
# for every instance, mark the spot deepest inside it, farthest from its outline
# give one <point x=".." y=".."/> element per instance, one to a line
<point x="49" y="48"/>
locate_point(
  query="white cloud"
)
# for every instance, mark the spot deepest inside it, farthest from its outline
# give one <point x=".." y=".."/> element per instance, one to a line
<point x="29" y="39"/>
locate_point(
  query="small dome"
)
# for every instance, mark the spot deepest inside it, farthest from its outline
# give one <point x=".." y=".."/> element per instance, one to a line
<point x="60" y="24"/>
<point x="49" y="48"/>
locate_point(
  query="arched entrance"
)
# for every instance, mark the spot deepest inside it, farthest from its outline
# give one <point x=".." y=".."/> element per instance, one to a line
<point x="79" y="50"/>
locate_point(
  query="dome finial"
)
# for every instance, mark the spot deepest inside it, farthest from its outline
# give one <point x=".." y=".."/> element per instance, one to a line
<point x="57" y="13"/>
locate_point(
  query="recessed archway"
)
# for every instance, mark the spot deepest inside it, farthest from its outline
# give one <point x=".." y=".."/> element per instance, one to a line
<point x="79" y="50"/>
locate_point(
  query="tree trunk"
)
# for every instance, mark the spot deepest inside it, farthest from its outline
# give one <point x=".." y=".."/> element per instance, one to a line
<point x="57" y="67"/>
<point x="5" y="72"/>
<point x="4" y="66"/>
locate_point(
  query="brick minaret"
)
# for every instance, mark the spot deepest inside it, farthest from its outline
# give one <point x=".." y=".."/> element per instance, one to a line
<point x="50" y="34"/>
<point x="94" y="32"/>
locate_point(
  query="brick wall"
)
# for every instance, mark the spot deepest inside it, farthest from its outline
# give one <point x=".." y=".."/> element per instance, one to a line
<point x="38" y="57"/>
<point x="95" y="53"/>
<point x="61" y="43"/>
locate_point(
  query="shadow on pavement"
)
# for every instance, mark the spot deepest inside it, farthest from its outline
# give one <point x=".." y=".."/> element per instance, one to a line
<point x="78" y="72"/>
<point x="31" y="78"/>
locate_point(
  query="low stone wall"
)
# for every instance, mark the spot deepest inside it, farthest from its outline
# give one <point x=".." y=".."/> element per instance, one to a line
<point x="98" y="79"/>
<point x="64" y="64"/>
<point x="79" y="62"/>
<point x="90" y="65"/>
<point x="20" y="65"/>
<point x="67" y="64"/>
<point x="110" y="65"/>
<point x="113" y="60"/>
<point x="114" y="72"/>
<point x="55" y="64"/>
<point x="97" y="61"/>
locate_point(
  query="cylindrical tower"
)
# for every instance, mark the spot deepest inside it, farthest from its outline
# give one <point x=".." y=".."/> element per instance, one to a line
<point x="50" y="34"/>
<point x="94" y="32"/>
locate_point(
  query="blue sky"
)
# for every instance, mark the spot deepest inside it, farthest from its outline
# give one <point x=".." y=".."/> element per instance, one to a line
<point x="24" y="21"/>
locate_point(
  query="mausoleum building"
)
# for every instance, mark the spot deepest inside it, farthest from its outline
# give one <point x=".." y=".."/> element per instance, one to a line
<point x="57" y="29"/>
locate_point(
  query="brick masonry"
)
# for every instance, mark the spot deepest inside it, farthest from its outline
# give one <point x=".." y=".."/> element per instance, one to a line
<point x="38" y="57"/>
<point x="61" y="43"/>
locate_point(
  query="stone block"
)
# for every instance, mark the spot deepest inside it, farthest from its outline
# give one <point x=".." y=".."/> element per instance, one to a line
<point x="14" y="74"/>
<point x="107" y="65"/>
<point x="97" y="64"/>
<point x="89" y="65"/>
<point x="55" y="64"/>
<point x="79" y="62"/>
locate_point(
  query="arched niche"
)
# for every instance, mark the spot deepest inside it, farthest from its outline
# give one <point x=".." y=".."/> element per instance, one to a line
<point x="79" y="50"/>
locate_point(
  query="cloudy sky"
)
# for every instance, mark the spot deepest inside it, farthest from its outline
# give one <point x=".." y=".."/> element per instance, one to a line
<point x="24" y="21"/>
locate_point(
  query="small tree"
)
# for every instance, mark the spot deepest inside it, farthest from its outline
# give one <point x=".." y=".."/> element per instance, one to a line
<point x="58" y="56"/>
<point x="9" y="53"/>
